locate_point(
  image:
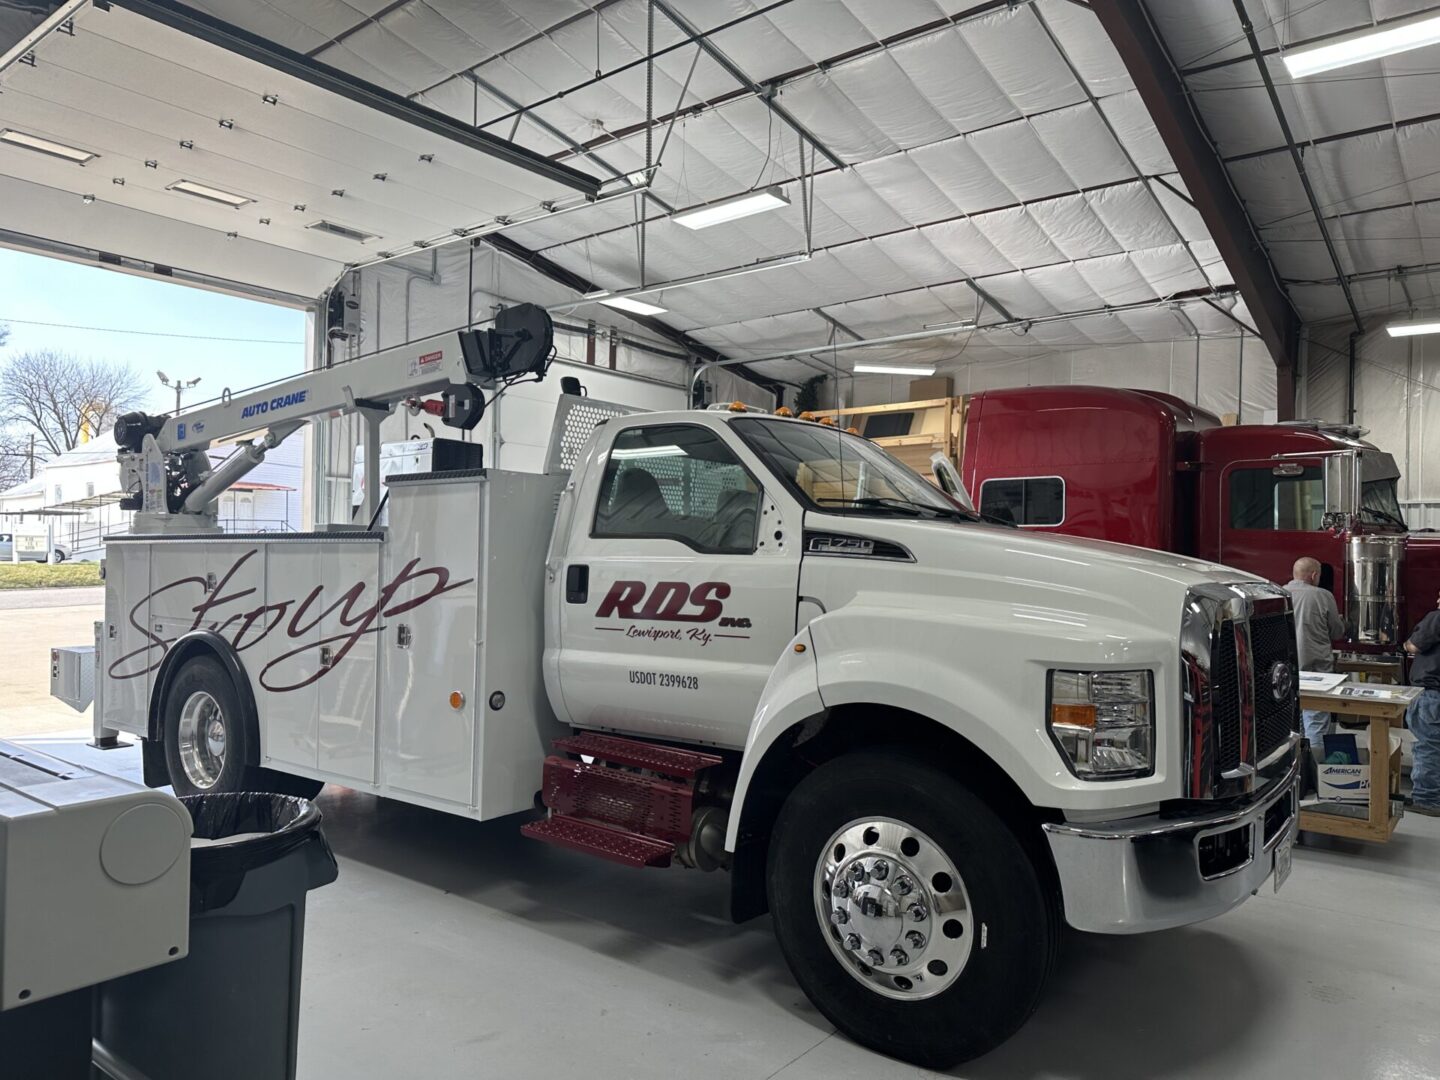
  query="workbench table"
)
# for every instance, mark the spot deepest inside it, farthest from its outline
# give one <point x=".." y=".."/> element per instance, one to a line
<point x="1383" y="713"/>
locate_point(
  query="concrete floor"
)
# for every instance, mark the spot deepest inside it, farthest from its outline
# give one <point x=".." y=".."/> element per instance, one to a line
<point x="449" y="949"/>
<point x="32" y="621"/>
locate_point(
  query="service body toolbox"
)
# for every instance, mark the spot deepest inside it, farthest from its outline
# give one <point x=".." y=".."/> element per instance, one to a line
<point x="435" y="625"/>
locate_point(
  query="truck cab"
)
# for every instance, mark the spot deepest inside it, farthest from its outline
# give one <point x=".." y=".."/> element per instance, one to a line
<point x="1143" y="467"/>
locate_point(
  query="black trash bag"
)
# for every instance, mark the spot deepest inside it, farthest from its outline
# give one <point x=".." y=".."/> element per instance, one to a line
<point x="288" y="823"/>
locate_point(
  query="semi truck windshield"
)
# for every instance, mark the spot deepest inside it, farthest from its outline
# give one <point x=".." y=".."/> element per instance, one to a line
<point x="834" y="471"/>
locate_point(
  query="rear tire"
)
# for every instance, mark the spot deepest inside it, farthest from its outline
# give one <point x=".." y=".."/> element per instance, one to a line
<point x="207" y="733"/>
<point x="878" y="835"/>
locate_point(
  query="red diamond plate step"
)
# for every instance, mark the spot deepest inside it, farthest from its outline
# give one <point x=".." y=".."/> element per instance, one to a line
<point x="626" y="848"/>
<point x="642" y="755"/>
<point x="627" y="800"/>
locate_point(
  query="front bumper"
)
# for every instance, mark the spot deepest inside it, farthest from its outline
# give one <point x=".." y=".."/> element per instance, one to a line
<point x="1153" y="873"/>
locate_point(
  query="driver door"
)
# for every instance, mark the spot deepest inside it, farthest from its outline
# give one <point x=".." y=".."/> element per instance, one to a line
<point x="680" y="588"/>
<point x="1271" y="514"/>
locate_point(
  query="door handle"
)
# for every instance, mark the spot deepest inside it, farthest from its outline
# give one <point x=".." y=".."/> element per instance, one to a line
<point x="577" y="584"/>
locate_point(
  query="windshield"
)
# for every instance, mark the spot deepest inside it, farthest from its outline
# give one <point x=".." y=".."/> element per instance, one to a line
<point x="1380" y="504"/>
<point x="1379" y="498"/>
<point x="841" y="473"/>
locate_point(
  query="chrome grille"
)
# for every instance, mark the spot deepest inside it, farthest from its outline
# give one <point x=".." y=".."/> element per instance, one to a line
<point x="1232" y="639"/>
<point x="1272" y="639"/>
<point x="1225" y="700"/>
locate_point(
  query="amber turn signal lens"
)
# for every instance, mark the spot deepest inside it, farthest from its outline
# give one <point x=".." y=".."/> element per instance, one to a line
<point x="1073" y="715"/>
<point x="799" y="647"/>
<point x="457" y="699"/>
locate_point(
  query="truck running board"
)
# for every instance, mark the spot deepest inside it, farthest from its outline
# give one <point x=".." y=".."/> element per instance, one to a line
<point x="632" y="802"/>
<point x="626" y="848"/>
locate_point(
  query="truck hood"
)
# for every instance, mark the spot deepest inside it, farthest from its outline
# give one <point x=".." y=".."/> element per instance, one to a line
<point x="1035" y="574"/>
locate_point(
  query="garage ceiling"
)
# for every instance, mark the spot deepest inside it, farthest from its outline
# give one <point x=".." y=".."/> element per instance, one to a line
<point x="306" y="155"/>
<point x="1368" y="135"/>
<point x="968" y="160"/>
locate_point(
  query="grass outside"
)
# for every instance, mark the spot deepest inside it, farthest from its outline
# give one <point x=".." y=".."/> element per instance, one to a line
<point x="44" y="576"/>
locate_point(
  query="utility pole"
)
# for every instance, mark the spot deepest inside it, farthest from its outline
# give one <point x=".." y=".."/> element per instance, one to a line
<point x="179" y="386"/>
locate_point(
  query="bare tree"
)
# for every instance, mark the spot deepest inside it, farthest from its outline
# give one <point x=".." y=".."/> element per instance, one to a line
<point x="56" y="396"/>
<point x="14" y="459"/>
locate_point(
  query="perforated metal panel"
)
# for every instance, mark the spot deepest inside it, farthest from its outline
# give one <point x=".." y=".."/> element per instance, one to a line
<point x="575" y="419"/>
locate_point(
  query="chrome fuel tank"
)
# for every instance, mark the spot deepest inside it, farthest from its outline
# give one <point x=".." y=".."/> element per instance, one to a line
<point x="1374" y="593"/>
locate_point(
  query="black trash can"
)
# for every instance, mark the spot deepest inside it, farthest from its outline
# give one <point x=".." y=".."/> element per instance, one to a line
<point x="229" y="1010"/>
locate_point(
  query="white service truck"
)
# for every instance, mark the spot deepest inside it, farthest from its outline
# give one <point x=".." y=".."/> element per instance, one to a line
<point x="730" y="640"/>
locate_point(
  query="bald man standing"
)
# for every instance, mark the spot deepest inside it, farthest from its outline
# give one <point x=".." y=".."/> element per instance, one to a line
<point x="1317" y="624"/>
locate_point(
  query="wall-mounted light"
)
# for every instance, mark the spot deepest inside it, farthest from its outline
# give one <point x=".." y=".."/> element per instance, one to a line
<point x="752" y="202"/>
<point x="1413" y="327"/>
<point x="47" y="146"/>
<point x="920" y="370"/>
<point x="211" y="194"/>
<point x="1369" y="44"/>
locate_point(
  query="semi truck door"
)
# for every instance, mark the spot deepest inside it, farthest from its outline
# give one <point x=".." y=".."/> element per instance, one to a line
<point x="1270" y="515"/>
<point x="679" y="589"/>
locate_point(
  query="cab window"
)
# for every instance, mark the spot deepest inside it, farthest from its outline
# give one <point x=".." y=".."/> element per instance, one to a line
<point x="1024" y="500"/>
<point x="1260" y="499"/>
<point x="678" y="482"/>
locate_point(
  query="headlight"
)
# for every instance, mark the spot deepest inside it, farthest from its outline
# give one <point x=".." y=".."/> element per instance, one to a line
<point x="1104" y="722"/>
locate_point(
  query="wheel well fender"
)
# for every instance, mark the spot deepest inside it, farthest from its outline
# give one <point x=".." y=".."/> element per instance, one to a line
<point x="810" y="743"/>
<point x="204" y="643"/>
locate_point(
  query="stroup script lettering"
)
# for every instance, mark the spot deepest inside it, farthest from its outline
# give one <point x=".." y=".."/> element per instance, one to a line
<point x="246" y="626"/>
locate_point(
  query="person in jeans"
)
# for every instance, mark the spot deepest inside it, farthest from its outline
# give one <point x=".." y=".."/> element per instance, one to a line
<point x="1423" y="716"/>
<point x="1317" y="624"/>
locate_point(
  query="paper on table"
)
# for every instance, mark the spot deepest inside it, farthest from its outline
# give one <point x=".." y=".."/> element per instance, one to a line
<point x="1321" y="682"/>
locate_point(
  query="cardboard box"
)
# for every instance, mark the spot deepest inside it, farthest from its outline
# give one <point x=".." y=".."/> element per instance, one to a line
<point x="1350" y="783"/>
<point x="1343" y="783"/>
<point x="935" y="386"/>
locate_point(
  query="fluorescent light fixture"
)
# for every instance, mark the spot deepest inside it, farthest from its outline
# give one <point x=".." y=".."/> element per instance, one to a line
<point x="752" y="202"/>
<point x="895" y="369"/>
<point x="1369" y="44"/>
<point x="204" y="191"/>
<point x="635" y="307"/>
<point x="1413" y="327"/>
<point x="47" y="146"/>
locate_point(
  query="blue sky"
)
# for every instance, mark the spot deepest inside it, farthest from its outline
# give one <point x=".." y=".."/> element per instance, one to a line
<point x="45" y="290"/>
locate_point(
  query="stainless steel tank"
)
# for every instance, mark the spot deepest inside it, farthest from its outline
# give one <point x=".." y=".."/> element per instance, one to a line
<point x="1374" y="593"/>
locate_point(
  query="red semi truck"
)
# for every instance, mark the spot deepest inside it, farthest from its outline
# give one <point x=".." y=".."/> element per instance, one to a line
<point x="1146" y="468"/>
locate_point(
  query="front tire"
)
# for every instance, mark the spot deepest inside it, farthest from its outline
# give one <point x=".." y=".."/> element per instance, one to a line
<point x="908" y="911"/>
<point x="207" y="732"/>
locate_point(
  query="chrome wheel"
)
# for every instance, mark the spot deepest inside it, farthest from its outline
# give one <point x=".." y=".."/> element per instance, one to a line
<point x="200" y="739"/>
<point x="893" y="908"/>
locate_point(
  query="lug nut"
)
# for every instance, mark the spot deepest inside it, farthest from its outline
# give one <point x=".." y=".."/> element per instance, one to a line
<point x="852" y="941"/>
<point x="915" y="938"/>
<point x="839" y="916"/>
<point x="904" y="886"/>
<point x="881" y="870"/>
<point x="857" y="873"/>
<point x="900" y="956"/>
<point x="919" y="913"/>
<point x="876" y="958"/>
<point x="840" y="890"/>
